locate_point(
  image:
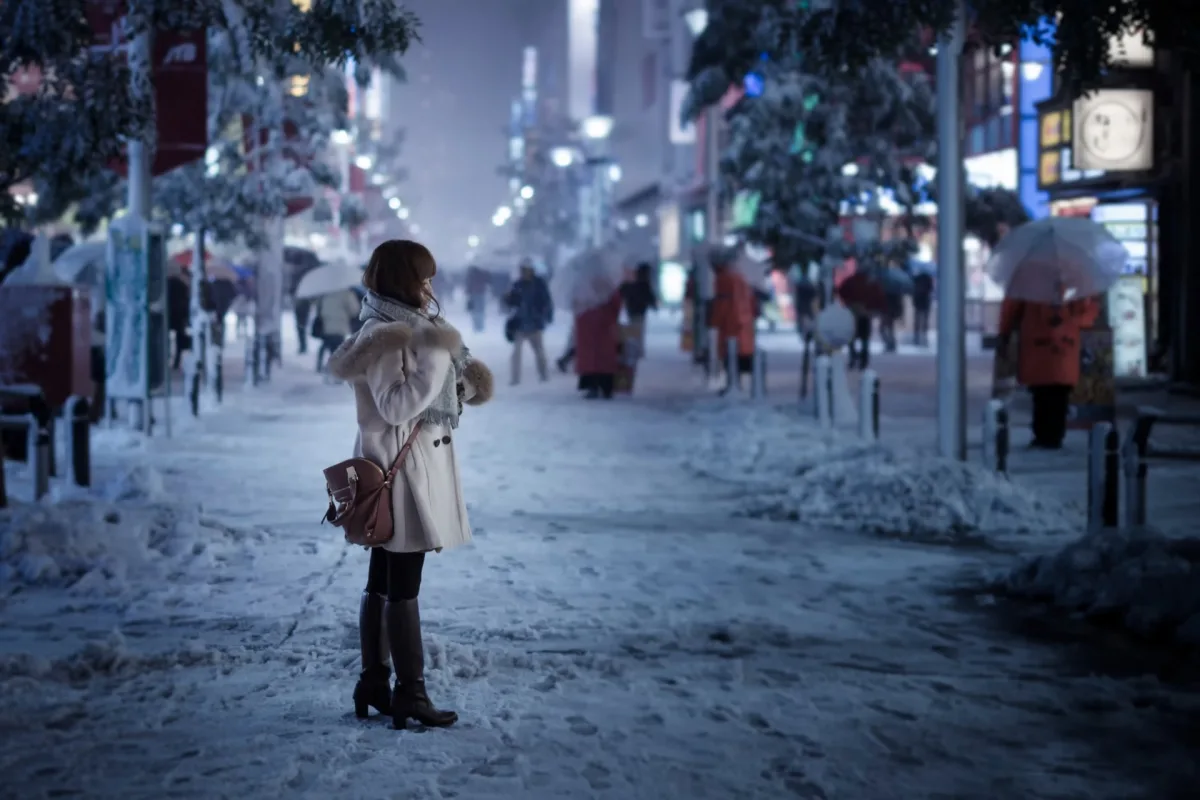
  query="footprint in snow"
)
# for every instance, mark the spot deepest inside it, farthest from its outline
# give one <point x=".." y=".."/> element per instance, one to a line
<point x="582" y="727"/>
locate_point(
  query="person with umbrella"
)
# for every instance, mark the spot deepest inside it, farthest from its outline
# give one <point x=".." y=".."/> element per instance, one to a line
<point x="330" y="287"/>
<point x="733" y="314"/>
<point x="1053" y="271"/>
<point x="595" y="294"/>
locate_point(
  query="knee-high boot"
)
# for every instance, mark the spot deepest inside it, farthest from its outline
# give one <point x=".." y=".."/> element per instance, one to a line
<point x="410" y="700"/>
<point x="373" y="688"/>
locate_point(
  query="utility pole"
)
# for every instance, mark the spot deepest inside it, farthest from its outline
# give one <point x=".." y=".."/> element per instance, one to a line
<point x="951" y="333"/>
<point x="139" y="150"/>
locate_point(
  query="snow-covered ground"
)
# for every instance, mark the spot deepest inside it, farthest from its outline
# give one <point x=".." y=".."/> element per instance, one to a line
<point x="620" y="628"/>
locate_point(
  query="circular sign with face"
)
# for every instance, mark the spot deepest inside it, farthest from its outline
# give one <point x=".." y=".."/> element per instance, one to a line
<point x="1112" y="132"/>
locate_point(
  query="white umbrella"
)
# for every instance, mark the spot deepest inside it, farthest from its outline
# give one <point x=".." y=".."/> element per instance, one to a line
<point x="835" y="326"/>
<point x="589" y="280"/>
<point x="1057" y="259"/>
<point x="327" y="279"/>
<point x="82" y="263"/>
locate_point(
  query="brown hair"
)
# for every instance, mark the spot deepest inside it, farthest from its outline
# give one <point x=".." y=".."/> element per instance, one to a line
<point x="400" y="270"/>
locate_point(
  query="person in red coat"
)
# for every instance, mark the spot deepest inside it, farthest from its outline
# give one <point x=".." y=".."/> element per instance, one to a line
<point x="597" y="336"/>
<point x="1049" y="341"/>
<point x="733" y="315"/>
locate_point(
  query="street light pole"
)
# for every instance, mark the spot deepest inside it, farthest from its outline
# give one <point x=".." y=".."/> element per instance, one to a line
<point x="951" y="354"/>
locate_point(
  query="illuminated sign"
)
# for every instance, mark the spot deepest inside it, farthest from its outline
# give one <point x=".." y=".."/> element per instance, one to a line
<point x="1114" y="130"/>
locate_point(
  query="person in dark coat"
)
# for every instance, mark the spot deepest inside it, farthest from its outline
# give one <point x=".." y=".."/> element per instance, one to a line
<point x="532" y="310"/>
<point x="922" y="300"/>
<point x="179" y="301"/>
<point x="639" y="299"/>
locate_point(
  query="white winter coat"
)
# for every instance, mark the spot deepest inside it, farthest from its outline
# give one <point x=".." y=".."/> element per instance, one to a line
<point x="396" y="372"/>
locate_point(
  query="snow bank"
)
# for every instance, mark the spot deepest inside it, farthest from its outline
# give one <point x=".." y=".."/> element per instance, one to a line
<point x="96" y="543"/>
<point x="798" y="471"/>
<point x="1147" y="582"/>
<point x="109" y="657"/>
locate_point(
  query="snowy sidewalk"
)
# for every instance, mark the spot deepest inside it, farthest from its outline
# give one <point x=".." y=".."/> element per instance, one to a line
<point x="616" y="631"/>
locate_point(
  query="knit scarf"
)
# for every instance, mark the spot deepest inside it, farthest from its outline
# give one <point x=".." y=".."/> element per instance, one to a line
<point x="445" y="408"/>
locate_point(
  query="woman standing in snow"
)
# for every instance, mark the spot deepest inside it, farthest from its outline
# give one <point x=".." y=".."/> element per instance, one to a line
<point x="408" y="368"/>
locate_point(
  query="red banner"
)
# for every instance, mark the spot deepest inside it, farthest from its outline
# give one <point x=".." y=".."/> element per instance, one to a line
<point x="179" y="64"/>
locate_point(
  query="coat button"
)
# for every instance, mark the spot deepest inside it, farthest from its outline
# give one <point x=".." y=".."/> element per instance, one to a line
<point x="436" y="442"/>
<point x="445" y="440"/>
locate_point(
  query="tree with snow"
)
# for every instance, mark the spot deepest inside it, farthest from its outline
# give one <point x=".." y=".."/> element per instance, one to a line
<point x="67" y="109"/>
<point x="848" y="34"/>
<point x="812" y="148"/>
<point x="66" y="147"/>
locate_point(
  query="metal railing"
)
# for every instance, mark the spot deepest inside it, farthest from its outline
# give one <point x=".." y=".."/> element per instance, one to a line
<point x="27" y="411"/>
<point x="1137" y="452"/>
<point x="996" y="436"/>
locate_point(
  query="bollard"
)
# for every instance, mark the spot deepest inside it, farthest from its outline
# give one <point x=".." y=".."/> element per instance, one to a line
<point x="218" y="374"/>
<point x="823" y="386"/>
<point x="714" y="353"/>
<point x="731" y="365"/>
<point x="868" y="406"/>
<point x="758" y="378"/>
<point x="1112" y="479"/>
<point x="805" y="367"/>
<point x="995" y="436"/>
<point x="39" y="457"/>
<point x="1097" y="442"/>
<point x="1003" y="443"/>
<point x="1134" y="466"/>
<point x="77" y="413"/>
<point x="989" y="435"/>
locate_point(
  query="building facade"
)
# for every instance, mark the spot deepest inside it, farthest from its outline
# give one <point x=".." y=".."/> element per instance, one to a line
<point x="1104" y="156"/>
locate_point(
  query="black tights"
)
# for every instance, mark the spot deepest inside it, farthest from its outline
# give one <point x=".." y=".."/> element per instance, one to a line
<point x="396" y="575"/>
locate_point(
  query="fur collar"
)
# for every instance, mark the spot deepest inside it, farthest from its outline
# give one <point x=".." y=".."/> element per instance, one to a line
<point x="355" y="355"/>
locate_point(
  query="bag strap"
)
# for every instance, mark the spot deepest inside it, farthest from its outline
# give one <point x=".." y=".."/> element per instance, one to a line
<point x="412" y="437"/>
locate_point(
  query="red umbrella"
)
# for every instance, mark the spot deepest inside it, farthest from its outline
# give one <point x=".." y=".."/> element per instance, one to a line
<point x="863" y="291"/>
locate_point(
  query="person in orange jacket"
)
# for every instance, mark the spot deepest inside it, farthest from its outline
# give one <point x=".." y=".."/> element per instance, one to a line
<point x="733" y="315"/>
<point x="1049" y="341"/>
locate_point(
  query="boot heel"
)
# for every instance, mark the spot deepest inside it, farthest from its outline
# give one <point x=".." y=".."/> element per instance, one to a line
<point x="361" y="709"/>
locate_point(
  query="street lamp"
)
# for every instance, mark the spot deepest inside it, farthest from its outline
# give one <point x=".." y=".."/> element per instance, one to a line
<point x="472" y="242"/>
<point x="597" y="126"/>
<point x="696" y="20"/>
<point x="394" y="204"/>
<point x="562" y="157"/>
<point x="402" y="213"/>
<point x="614" y="173"/>
<point x="363" y="162"/>
<point x="341" y="137"/>
<point x="526" y="192"/>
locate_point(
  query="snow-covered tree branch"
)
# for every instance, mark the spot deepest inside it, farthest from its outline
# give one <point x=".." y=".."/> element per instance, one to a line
<point x="813" y="147"/>
<point x="838" y="34"/>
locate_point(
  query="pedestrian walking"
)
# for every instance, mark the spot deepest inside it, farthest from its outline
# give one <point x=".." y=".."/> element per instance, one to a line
<point x="1049" y="339"/>
<point x="639" y="298"/>
<point x="411" y="376"/>
<point x="334" y="320"/>
<point x="733" y="315"/>
<point x="922" y="300"/>
<point x="597" y="340"/>
<point x="531" y="310"/>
